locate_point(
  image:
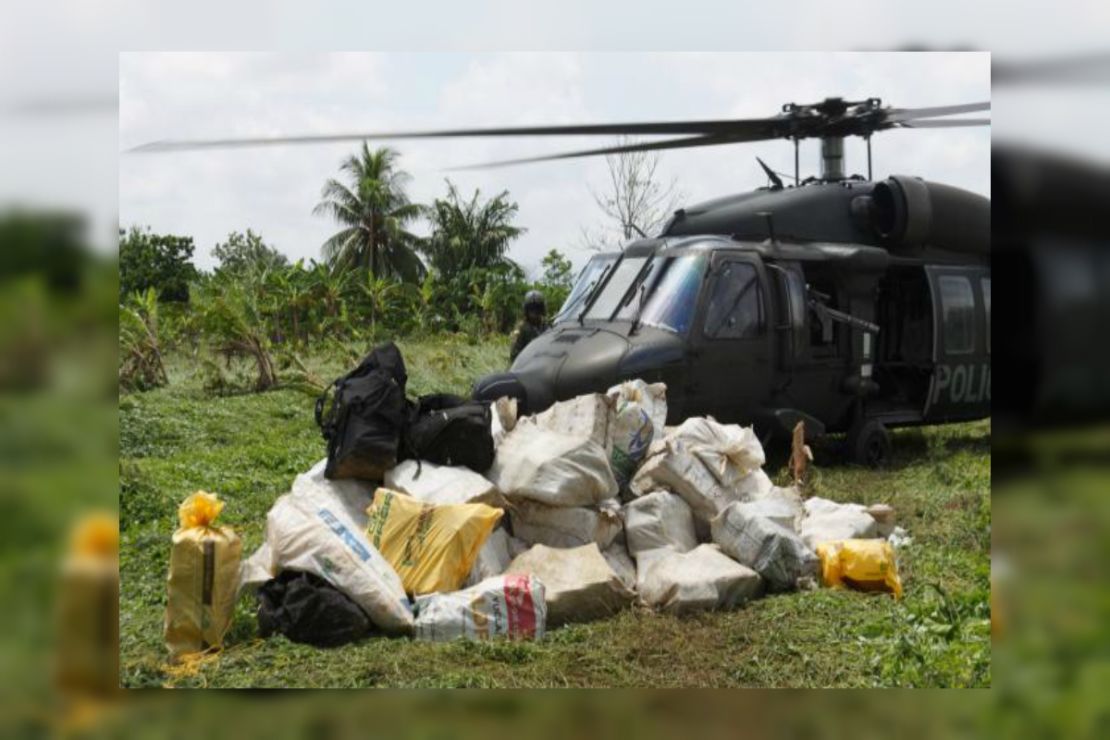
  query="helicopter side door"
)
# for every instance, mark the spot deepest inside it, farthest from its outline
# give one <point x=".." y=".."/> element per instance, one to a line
<point x="960" y="387"/>
<point x="731" y="341"/>
<point x="812" y="356"/>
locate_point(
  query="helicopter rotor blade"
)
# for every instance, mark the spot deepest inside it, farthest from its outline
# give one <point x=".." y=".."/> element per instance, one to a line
<point x="647" y="146"/>
<point x="895" y="115"/>
<point x="764" y="127"/>
<point x="796" y="122"/>
<point x="956" y="123"/>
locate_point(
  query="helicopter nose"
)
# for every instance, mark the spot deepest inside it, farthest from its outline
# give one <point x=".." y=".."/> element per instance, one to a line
<point x="500" y="385"/>
<point x="593" y="363"/>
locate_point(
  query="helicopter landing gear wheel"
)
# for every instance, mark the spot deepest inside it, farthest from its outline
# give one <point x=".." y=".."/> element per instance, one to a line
<point x="869" y="443"/>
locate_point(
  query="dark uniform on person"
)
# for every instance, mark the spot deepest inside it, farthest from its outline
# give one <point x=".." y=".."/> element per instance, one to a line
<point x="532" y="325"/>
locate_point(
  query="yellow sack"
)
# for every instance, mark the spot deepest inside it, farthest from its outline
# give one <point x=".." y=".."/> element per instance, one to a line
<point x="867" y="565"/>
<point x="87" y="636"/>
<point x="203" y="579"/>
<point x="432" y="547"/>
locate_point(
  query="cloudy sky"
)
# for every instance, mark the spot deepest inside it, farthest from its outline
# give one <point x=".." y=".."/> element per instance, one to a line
<point x="272" y="190"/>
<point x="68" y="51"/>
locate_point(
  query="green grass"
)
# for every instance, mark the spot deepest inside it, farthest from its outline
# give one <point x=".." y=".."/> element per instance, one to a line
<point x="248" y="447"/>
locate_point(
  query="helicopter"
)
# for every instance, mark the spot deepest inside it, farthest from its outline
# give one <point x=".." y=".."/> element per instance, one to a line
<point x="849" y="304"/>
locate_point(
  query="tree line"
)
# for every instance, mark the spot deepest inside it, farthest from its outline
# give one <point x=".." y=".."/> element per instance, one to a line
<point x="376" y="279"/>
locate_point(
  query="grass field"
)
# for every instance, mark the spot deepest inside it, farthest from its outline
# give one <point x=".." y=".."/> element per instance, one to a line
<point x="248" y="448"/>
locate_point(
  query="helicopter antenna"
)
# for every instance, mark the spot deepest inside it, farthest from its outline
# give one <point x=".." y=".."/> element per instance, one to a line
<point x="776" y="181"/>
<point x="780" y="173"/>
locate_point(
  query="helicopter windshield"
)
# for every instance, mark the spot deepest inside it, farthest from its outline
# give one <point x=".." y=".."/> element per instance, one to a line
<point x="587" y="280"/>
<point x="669" y="292"/>
<point x="614" y="291"/>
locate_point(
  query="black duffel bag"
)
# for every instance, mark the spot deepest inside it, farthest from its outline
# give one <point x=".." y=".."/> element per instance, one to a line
<point x="365" y="422"/>
<point x="306" y="608"/>
<point x="449" y="430"/>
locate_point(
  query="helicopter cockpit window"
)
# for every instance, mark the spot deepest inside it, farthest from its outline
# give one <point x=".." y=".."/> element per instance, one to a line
<point x="614" y="291"/>
<point x="736" y="305"/>
<point x="586" y="282"/>
<point x="670" y="301"/>
<point x="637" y="297"/>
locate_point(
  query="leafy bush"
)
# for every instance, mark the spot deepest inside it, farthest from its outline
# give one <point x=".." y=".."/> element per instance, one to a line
<point x="233" y="319"/>
<point x="372" y="287"/>
<point x="141" y="365"/>
<point x="557" y="279"/>
<point x="158" y="261"/>
<point x="247" y="253"/>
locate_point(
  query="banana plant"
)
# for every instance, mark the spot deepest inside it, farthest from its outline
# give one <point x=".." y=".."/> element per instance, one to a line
<point x="141" y="366"/>
<point x="235" y="322"/>
<point x="381" y="297"/>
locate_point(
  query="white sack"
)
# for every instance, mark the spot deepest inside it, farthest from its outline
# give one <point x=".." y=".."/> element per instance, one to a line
<point x="773" y="551"/>
<point x="730" y="451"/>
<point x="781" y="505"/>
<point x="643" y="484"/>
<point x="307" y="532"/>
<point x="659" y="519"/>
<point x="828" y="521"/>
<point x="883" y="514"/>
<point x="579" y="584"/>
<point x="622" y="564"/>
<point x="652" y="397"/>
<point x="552" y="468"/>
<point x="632" y="434"/>
<point x="817" y="506"/>
<point x="704" y="578"/>
<point x="675" y="469"/>
<point x="442" y="484"/>
<point x="350" y="495"/>
<point x="755" y="484"/>
<point x="510" y="605"/>
<point x="589" y="416"/>
<point x="565" y="526"/>
<point x="494" y="556"/>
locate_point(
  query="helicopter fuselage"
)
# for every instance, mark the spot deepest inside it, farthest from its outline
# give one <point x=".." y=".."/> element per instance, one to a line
<point x="774" y="329"/>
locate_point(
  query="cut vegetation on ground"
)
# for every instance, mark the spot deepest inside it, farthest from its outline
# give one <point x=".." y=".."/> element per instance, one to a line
<point x="247" y="447"/>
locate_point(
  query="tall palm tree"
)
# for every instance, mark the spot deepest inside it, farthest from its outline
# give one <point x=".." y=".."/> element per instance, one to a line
<point x="374" y="211"/>
<point x="469" y="233"/>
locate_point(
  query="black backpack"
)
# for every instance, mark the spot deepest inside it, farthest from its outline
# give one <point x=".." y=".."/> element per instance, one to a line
<point x="449" y="430"/>
<point x="367" y="417"/>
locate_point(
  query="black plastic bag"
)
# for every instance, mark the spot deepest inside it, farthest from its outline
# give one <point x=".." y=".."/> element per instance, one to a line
<point x="306" y="608"/>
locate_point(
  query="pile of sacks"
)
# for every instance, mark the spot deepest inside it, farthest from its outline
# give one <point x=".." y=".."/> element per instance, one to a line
<point x="589" y="506"/>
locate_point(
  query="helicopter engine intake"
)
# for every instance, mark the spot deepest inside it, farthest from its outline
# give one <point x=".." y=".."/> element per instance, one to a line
<point x="908" y="213"/>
